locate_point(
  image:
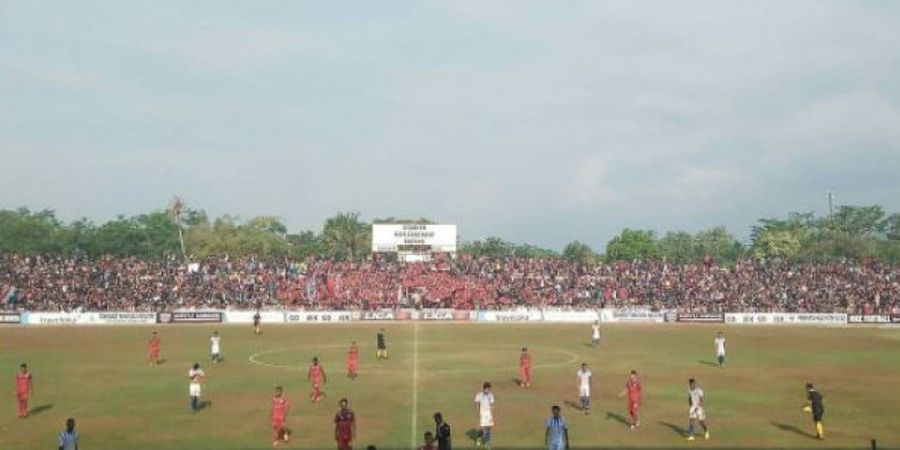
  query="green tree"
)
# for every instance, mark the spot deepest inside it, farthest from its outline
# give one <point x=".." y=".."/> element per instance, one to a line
<point x="492" y="247"/>
<point x="777" y="244"/>
<point x="718" y="243"/>
<point x="679" y="246"/>
<point x="858" y="221"/>
<point x="533" y="251"/>
<point x="893" y="227"/>
<point x="633" y="244"/>
<point x="579" y="252"/>
<point x="22" y="231"/>
<point x="305" y="244"/>
<point x="345" y="236"/>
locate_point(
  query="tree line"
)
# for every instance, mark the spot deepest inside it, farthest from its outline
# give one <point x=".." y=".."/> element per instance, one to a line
<point x="856" y="233"/>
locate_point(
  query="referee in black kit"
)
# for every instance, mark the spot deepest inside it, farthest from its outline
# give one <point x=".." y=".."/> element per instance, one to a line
<point x="442" y="432"/>
<point x="380" y="345"/>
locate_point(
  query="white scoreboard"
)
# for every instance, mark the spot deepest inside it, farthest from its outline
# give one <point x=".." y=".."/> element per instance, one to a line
<point x="413" y="241"/>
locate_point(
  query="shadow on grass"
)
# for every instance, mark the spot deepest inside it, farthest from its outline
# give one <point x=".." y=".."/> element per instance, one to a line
<point x="39" y="409"/>
<point x="708" y="363"/>
<point x="618" y="418"/>
<point x="675" y="428"/>
<point x="473" y="434"/>
<point x="204" y="404"/>
<point x="517" y="381"/>
<point x="573" y="405"/>
<point x="160" y="362"/>
<point x="792" y="429"/>
<point x="591" y="345"/>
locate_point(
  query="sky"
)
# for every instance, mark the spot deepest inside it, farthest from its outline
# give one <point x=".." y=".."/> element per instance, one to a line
<point x="538" y="121"/>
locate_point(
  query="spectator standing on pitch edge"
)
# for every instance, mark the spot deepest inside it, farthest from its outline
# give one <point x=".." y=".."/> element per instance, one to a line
<point x="68" y="438"/>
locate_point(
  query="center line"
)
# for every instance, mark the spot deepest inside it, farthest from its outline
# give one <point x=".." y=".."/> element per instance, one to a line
<point x="413" y="438"/>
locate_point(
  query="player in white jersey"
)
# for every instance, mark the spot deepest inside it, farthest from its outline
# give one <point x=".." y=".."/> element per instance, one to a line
<point x="196" y="375"/>
<point x="484" y="404"/>
<point x="595" y="333"/>
<point x="585" y="382"/>
<point x="720" y="348"/>
<point x="697" y="410"/>
<point x="215" y="347"/>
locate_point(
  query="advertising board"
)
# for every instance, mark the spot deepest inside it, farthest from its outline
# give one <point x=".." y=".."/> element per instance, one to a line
<point x="786" y="318"/>
<point x="191" y="317"/>
<point x="700" y="317"/>
<point x="10" y="318"/>
<point x="317" y="316"/>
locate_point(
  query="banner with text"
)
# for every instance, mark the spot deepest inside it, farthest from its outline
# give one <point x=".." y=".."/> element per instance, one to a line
<point x="382" y="314"/>
<point x="510" y="316"/>
<point x="317" y="316"/>
<point x="10" y="318"/>
<point x="632" y="315"/>
<point x="786" y="318"/>
<point x="442" y="315"/>
<point x="871" y="318"/>
<point x="698" y="317"/>
<point x="125" y="318"/>
<point x="191" y="317"/>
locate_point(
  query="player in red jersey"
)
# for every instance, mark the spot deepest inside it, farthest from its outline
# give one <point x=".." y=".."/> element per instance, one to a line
<point x="316" y="376"/>
<point x="633" y="389"/>
<point x="24" y="389"/>
<point x="280" y="408"/>
<point x="344" y="426"/>
<point x="352" y="360"/>
<point x="525" y="368"/>
<point x="154" y="349"/>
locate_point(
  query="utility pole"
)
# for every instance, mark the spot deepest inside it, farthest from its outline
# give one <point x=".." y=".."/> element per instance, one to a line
<point x="830" y="204"/>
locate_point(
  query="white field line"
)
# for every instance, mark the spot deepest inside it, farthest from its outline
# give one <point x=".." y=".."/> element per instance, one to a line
<point x="413" y="439"/>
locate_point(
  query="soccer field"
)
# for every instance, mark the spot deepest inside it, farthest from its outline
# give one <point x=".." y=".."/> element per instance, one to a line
<point x="99" y="376"/>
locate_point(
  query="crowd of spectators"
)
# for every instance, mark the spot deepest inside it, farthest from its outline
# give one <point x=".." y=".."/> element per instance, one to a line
<point x="42" y="283"/>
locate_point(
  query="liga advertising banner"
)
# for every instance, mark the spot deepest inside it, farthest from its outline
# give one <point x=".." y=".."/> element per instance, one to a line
<point x="382" y="314"/>
<point x="10" y="318"/>
<point x="317" y="316"/>
<point x="191" y="317"/>
<point x="443" y="315"/>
